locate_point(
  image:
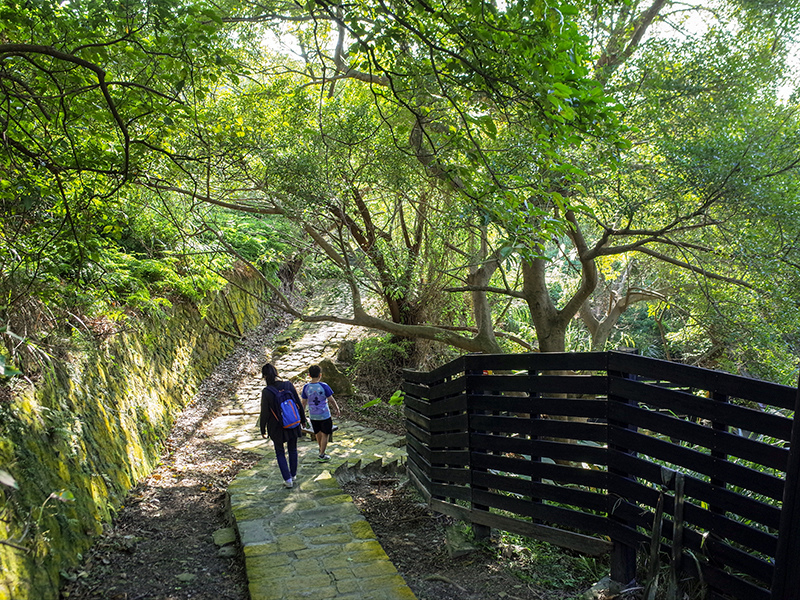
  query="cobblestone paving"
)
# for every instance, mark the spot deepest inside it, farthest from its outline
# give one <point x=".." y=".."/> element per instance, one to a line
<point x="309" y="541"/>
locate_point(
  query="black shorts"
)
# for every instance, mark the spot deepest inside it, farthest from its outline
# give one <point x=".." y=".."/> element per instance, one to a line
<point x="325" y="425"/>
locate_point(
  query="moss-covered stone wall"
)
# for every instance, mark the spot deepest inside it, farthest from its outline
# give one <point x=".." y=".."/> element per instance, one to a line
<point x="78" y="441"/>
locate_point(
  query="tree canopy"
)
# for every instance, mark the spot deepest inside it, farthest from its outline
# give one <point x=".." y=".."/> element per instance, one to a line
<point x="500" y="176"/>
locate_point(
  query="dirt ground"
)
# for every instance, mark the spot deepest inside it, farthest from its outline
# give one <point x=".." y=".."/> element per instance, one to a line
<point x="160" y="544"/>
<point x="414" y="539"/>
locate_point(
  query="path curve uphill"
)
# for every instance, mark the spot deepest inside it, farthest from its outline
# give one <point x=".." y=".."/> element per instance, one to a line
<point x="309" y="541"/>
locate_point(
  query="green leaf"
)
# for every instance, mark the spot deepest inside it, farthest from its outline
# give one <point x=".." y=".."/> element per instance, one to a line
<point x="398" y="398"/>
<point x="63" y="496"/>
<point x="563" y="89"/>
<point x="7" y="371"/>
<point x="213" y="15"/>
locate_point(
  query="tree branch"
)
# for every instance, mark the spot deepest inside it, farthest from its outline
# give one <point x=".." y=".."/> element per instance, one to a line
<point x="485" y="288"/>
<point x="695" y="269"/>
<point x="259" y="210"/>
<point x="24" y="49"/>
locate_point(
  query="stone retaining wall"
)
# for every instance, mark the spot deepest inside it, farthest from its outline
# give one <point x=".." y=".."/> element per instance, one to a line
<point x="94" y="427"/>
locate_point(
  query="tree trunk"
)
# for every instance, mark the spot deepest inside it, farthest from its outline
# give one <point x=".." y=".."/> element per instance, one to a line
<point x="549" y="323"/>
<point x="479" y="277"/>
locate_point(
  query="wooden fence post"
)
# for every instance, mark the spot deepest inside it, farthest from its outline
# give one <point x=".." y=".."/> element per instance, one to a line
<point x="722" y="398"/>
<point x="786" y="579"/>
<point x="533" y="374"/>
<point x="472" y="367"/>
<point x="623" y="556"/>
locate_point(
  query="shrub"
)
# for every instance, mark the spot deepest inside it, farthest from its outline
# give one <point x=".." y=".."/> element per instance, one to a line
<point x="378" y="364"/>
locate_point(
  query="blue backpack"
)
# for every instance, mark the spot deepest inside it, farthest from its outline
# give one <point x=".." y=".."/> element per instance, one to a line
<point x="290" y="416"/>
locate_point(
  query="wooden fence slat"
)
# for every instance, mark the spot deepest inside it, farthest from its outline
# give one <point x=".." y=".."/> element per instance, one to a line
<point x="447" y="371"/>
<point x="447" y="490"/>
<point x="500" y="424"/>
<point x="566" y="539"/>
<point x="594" y="455"/>
<point x="544" y="513"/>
<point x="623" y="555"/>
<point x="723" y="554"/>
<point x="703" y="379"/>
<point x="440" y="407"/>
<point x="413" y="389"/>
<point x="562" y="494"/>
<point x="723" y="527"/>
<point x="541" y="384"/>
<point x="731" y="530"/>
<point x="682" y="403"/>
<point x="452" y="479"/>
<point x="594" y="385"/>
<point x="542" y="428"/>
<point x="446" y="389"/>
<point x="733" y="587"/>
<point x="692" y="460"/>
<point x="449" y="440"/>
<point x="417" y="404"/>
<point x="415" y="431"/>
<point x="452" y="458"/>
<point x="729" y="501"/>
<point x="449" y="423"/>
<point x="436" y="392"/>
<point x="720" y="451"/>
<point x="732" y="558"/>
<point x="418" y="449"/>
<point x="417" y="377"/>
<point x="721" y="441"/>
<point x="421" y="421"/>
<point x="420" y="475"/>
<point x="786" y="582"/>
<point x="538" y="361"/>
<point x="563" y="474"/>
<point x="571" y="407"/>
<point x="627" y="534"/>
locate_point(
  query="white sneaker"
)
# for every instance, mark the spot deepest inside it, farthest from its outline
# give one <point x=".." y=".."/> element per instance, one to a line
<point x="288" y="483"/>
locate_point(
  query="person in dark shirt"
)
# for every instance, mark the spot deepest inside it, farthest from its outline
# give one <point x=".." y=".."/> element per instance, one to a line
<point x="272" y="425"/>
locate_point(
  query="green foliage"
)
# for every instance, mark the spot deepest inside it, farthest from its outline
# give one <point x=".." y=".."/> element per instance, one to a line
<point x="147" y="140"/>
<point x="378" y="365"/>
<point x="91" y="95"/>
<point x="548" y="566"/>
<point x="525" y="61"/>
<point x="72" y="446"/>
<point x="396" y="399"/>
<point x="518" y="322"/>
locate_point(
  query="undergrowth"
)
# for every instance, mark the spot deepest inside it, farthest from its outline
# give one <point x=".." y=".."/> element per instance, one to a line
<point x="379" y="362"/>
<point x="548" y="566"/>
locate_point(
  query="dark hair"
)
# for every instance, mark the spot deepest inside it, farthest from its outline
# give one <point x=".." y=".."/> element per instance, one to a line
<point x="269" y="373"/>
<point x="314" y="371"/>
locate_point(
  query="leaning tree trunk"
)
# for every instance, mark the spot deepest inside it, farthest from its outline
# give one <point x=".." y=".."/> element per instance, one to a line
<point x="479" y="278"/>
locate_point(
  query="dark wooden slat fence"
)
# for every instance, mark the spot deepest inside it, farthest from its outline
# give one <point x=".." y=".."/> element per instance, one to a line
<point x="579" y="449"/>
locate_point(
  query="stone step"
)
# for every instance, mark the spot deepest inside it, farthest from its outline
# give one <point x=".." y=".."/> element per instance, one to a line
<point x="309" y="541"/>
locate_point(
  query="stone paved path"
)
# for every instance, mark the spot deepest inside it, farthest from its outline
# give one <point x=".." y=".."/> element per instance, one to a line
<point x="309" y="541"/>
